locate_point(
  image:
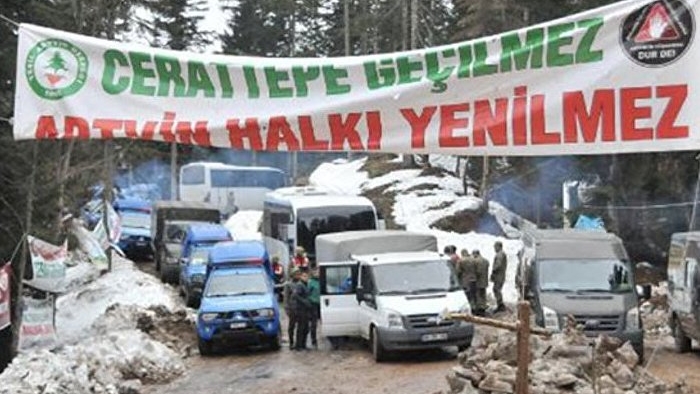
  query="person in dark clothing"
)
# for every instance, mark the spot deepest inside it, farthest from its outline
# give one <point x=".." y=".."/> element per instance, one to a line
<point x="467" y="278"/>
<point x="482" y="282"/>
<point x="290" y="305"/>
<point x="300" y="297"/>
<point x="498" y="275"/>
<point x="315" y="297"/>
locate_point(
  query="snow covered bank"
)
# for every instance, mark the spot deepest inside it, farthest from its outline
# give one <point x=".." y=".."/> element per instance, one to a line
<point x="105" y="364"/>
<point x="422" y="200"/>
<point x="125" y="284"/>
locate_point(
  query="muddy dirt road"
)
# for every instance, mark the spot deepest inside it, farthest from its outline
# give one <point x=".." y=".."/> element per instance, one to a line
<point x="348" y="370"/>
<point x="670" y="366"/>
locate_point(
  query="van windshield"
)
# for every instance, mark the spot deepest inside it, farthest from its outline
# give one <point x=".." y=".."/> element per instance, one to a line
<point x="584" y="276"/>
<point x="236" y="284"/>
<point x="414" y="278"/>
<point x="323" y="220"/>
<point x="136" y="220"/>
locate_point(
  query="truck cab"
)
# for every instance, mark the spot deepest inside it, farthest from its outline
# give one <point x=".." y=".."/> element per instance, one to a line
<point x="199" y="239"/>
<point x="582" y="275"/>
<point x="390" y="288"/>
<point x="169" y="222"/>
<point x="238" y="304"/>
<point x="684" y="289"/>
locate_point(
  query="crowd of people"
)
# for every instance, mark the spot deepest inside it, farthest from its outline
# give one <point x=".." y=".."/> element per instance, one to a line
<point x="302" y="302"/>
<point x="473" y="273"/>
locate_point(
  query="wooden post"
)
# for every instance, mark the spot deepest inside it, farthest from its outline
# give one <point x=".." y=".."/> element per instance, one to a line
<point x="523" y="344"/>
<point x="523" y="331"/>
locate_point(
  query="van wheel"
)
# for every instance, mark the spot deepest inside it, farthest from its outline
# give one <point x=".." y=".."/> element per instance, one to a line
<point x="682" y="342"/>
<point x="378" y="351"/>
<point x="205" y="347"/>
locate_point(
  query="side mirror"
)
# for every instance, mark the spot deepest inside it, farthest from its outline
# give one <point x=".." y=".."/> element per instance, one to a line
<point x="359" y="294"/>
<point x="368" y="297"/>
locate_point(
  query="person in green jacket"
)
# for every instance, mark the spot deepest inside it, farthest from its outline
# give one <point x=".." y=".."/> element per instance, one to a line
<point x="315" y="298"/>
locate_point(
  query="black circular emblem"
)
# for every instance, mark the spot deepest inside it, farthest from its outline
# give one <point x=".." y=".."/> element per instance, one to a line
<point x="658" y="33"/>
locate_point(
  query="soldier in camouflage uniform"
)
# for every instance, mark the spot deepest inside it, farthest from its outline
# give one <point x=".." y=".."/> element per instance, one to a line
<point x="482" y="282"/>
<point x="498" y="275"/>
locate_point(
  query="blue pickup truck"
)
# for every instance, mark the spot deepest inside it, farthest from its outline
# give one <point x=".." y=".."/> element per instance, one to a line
<point x="135" y="239"/>
<point x="199" y="239"/>
<point x="238" y="305"/>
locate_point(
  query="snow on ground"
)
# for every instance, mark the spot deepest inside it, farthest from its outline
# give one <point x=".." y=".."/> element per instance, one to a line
<point x="349" y="173"/>
<point x="94" y="355"/>
<point x="125" y="284"/>
<point x="417" y="208"/>
<point x="244" y="225"/>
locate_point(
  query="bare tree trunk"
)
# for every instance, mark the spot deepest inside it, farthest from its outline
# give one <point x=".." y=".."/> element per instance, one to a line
<point x="19" y="265"/>
<point x="173" y="171"/>
<point x="485" y="183"/>
<point x="62" y="179"/>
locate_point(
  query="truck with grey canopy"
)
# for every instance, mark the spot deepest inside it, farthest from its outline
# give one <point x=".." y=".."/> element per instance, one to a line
<point x="389" y="287"/>
<point x="582" y="275"/>
<point x="169" y="226"/>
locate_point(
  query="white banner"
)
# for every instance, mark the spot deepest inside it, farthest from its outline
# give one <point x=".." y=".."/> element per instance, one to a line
<point x="115" y="229"/>
<point x="89" y="244"/>
<point x="616" y="79"/>
<point x="37" y="324"/>
<point x="5" y="313"/>
<point x="48" y="263"/>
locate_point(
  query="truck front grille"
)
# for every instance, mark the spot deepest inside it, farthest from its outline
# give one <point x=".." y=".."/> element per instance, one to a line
<point x="598" y="323"/>
<point x="426" y="321"/>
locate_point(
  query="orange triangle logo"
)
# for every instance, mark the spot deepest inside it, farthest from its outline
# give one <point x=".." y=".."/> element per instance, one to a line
<point x="658" y="26"/>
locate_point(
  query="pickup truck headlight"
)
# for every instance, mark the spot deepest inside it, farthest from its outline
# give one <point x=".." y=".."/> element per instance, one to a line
<point x="551" y="319"/>
<point x="632" y="319"/>
<point x="266" y="312"/>
<point x="394" y="319"/>
<point x="198" y="279"/>
<point x="207" y="317"/>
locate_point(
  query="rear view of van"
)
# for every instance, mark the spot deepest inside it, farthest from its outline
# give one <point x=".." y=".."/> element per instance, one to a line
<point x="585" y="276"/>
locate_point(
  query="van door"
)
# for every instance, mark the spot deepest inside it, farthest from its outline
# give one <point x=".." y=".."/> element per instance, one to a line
<point x="339" y="306"/>
<point x="368" y="307"/>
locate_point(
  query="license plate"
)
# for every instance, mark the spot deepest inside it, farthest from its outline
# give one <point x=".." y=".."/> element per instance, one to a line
<point x="238" y="325"/>
<point x="434" y="337"/>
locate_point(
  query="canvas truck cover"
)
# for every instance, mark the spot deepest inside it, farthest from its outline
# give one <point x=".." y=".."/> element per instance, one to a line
<point x="168" y="211"/>
<point x="339" y="246"/>
<point x="577" y="244"/>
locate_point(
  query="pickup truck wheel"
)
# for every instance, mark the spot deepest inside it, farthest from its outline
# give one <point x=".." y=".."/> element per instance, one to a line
<point x="378" y="351"/>
<point x="682" y="342"/>
<point x="276" y="341"/>
<point x="205" y="347"/>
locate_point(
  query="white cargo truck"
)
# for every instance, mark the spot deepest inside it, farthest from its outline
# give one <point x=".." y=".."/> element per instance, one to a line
<point x="390" y="288"/>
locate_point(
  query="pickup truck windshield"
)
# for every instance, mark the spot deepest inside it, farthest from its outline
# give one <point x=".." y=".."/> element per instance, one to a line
<point x="584" y="276"/>
<point x="236" y="284"/>
<point x="136" y="220"/>
<point x="200" y="254"/>
<point x="414" y="278"/>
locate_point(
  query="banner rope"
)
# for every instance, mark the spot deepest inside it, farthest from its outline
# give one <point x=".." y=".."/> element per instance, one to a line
<point x="9" y="21"/>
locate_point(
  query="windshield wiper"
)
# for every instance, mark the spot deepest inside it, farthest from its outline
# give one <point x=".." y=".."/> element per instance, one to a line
<point x="593" y="291"/>
<point x="429" y="290"/>
<point x="557" y="290"/>
<point x="394" y="292"/>
<point x="236" y="294"/>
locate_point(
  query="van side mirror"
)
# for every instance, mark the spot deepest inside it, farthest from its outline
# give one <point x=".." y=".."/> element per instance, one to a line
<point x="359" y="294"/>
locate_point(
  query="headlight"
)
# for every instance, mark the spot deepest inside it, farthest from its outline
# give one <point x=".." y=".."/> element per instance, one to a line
<point x="551" y="320"/>
<point x="207" y="317"/>
<point x="198" y="279"/>
<point x="394" y="319"/>
<point x="632" y="319"/>
<point x="267" y="312"/>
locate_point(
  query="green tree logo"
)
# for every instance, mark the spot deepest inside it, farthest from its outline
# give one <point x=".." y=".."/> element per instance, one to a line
<point x="56" y="69"/>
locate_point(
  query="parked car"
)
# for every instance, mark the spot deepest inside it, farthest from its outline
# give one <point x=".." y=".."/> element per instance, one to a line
<point x="238" y="305"/>
<point x="684" y="289"/>
<point x="199" y="239"/>
<point x="135" y="239"/>
<point x="169" y="222"/>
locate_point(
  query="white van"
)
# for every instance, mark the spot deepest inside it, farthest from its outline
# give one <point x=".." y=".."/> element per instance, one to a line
<point x="390" y="288"/>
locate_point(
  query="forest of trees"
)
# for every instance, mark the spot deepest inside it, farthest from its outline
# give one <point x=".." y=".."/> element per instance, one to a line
<point x="41" y="180"/>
